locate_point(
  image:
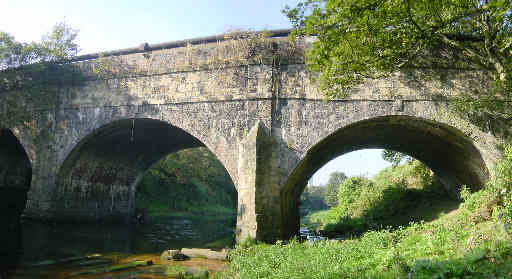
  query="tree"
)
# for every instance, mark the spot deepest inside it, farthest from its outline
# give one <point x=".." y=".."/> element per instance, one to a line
<point x="312" y="199"/>
<point x="26" y="63"/>
<point x="349" y="195"/>
<point x="395" y="157"/>
<point x="367" y="39"/>
<point x="331" y="189"/>
<point x="58" y="45"/>
<point x="184" y="179"/>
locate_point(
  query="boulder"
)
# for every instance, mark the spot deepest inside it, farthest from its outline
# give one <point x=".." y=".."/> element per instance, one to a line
<point x="206" y="253"/>
<point x="169" y="254"/>
<point x="180" y="257"/>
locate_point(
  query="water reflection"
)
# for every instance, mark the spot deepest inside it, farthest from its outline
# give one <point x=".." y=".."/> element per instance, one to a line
<point x="44" y="241"/>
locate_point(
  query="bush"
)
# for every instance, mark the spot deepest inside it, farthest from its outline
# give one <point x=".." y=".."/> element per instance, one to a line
<point x="247" y="242"/>
<point x="385" y="200"/>
<point x="350" y="196"/>
<point x="498" y="193"/>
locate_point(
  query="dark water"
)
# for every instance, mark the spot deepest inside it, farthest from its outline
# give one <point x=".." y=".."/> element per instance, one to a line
<point x="46" y="241"/>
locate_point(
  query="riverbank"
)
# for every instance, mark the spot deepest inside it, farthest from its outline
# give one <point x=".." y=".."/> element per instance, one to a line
<point x="473" y="241"/>
<point x="463" y="244"/>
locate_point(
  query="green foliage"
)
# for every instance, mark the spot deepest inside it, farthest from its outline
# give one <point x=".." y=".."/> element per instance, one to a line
<point x="367" y="39"/>
<point x="467" y="243"/>
<point x="59" y="45"/>
<point x="331" y="189"/>
<point x="453" y="246"/>
<point x="442" y="249"/>
<point x="312" y="199"/>
<point x="500" y="187"/>
<point x="56" y="46"/>
<point x="191" y="180"/>
<point x="247" y="242"/>
<point x="38" y="63"/>
<point x="318" y="219"/>
<point x="496" y="199"/>
<point x="394" y="157"/>
<point x="176" y="271"/>
<point x="393" y="197"/>
<point x="350" y="192"/>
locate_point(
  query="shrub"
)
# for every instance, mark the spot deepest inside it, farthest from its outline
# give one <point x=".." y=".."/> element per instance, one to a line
<point x="385" y="200"/>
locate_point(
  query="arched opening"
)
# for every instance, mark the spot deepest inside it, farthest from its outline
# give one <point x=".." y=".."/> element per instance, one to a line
<point x="371" y="189"/>
<point x="15" y="179"/>
<point x="15" y="172"/>
<point x="187" y="199"/>
<point x="445" y="150"/>
<point x="95" y="197"/>
<point x="98" y="179"/>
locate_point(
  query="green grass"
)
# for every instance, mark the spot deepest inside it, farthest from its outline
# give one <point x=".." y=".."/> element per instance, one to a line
<point x="175" y="271"/>
<point x="318" y="219"/>
<point x="473" y="241"/>
<point x="454" y="246"/>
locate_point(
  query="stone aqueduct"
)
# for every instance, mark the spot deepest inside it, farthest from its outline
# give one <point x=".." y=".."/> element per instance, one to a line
<point x="78" y="151"/>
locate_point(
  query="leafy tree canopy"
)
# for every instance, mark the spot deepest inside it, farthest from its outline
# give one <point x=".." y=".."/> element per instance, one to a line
<point x="184" y="180"/>
<point x="21" y="63"/>
<point x="394" y="157"/>
<point x="360" y="39"/>
<point x="58" y="45"/>
<point x="331" y="189"/>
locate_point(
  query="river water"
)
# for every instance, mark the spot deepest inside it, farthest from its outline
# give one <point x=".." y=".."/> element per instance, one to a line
<point x="47" y="241"/>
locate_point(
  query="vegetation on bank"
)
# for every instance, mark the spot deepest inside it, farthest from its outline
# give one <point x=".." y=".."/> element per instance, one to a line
<point x="190" y="181"/>
<point x="473" y="241"/>
<point x="321" y="197"/>
<point x="394" y="197"/>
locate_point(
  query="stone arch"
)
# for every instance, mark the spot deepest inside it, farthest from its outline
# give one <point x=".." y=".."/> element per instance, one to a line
<point x="449" y="153"/>
<point x="97" y="179"/>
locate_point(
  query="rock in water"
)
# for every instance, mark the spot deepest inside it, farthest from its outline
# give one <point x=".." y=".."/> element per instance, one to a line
<point x="169" y="254"/>
<point x="206" y="253"/>
<point x="180" y="257"/>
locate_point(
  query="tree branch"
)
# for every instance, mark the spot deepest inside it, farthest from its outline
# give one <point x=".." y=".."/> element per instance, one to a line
<point x="465" y="37"/>
<point x="469" y="51"/>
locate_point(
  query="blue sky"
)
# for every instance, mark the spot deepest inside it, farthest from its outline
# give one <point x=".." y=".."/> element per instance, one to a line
<point x="114" y="24"/>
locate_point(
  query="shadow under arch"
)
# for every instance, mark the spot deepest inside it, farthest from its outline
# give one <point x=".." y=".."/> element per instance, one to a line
<point x="450" y="154"/>
<point x="15" y="180"/>
<point x="98" y="179"/>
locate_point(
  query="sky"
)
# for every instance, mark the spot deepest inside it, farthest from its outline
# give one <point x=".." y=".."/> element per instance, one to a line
<point x="115" y="24"/>
<point x="366" y="162"/>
